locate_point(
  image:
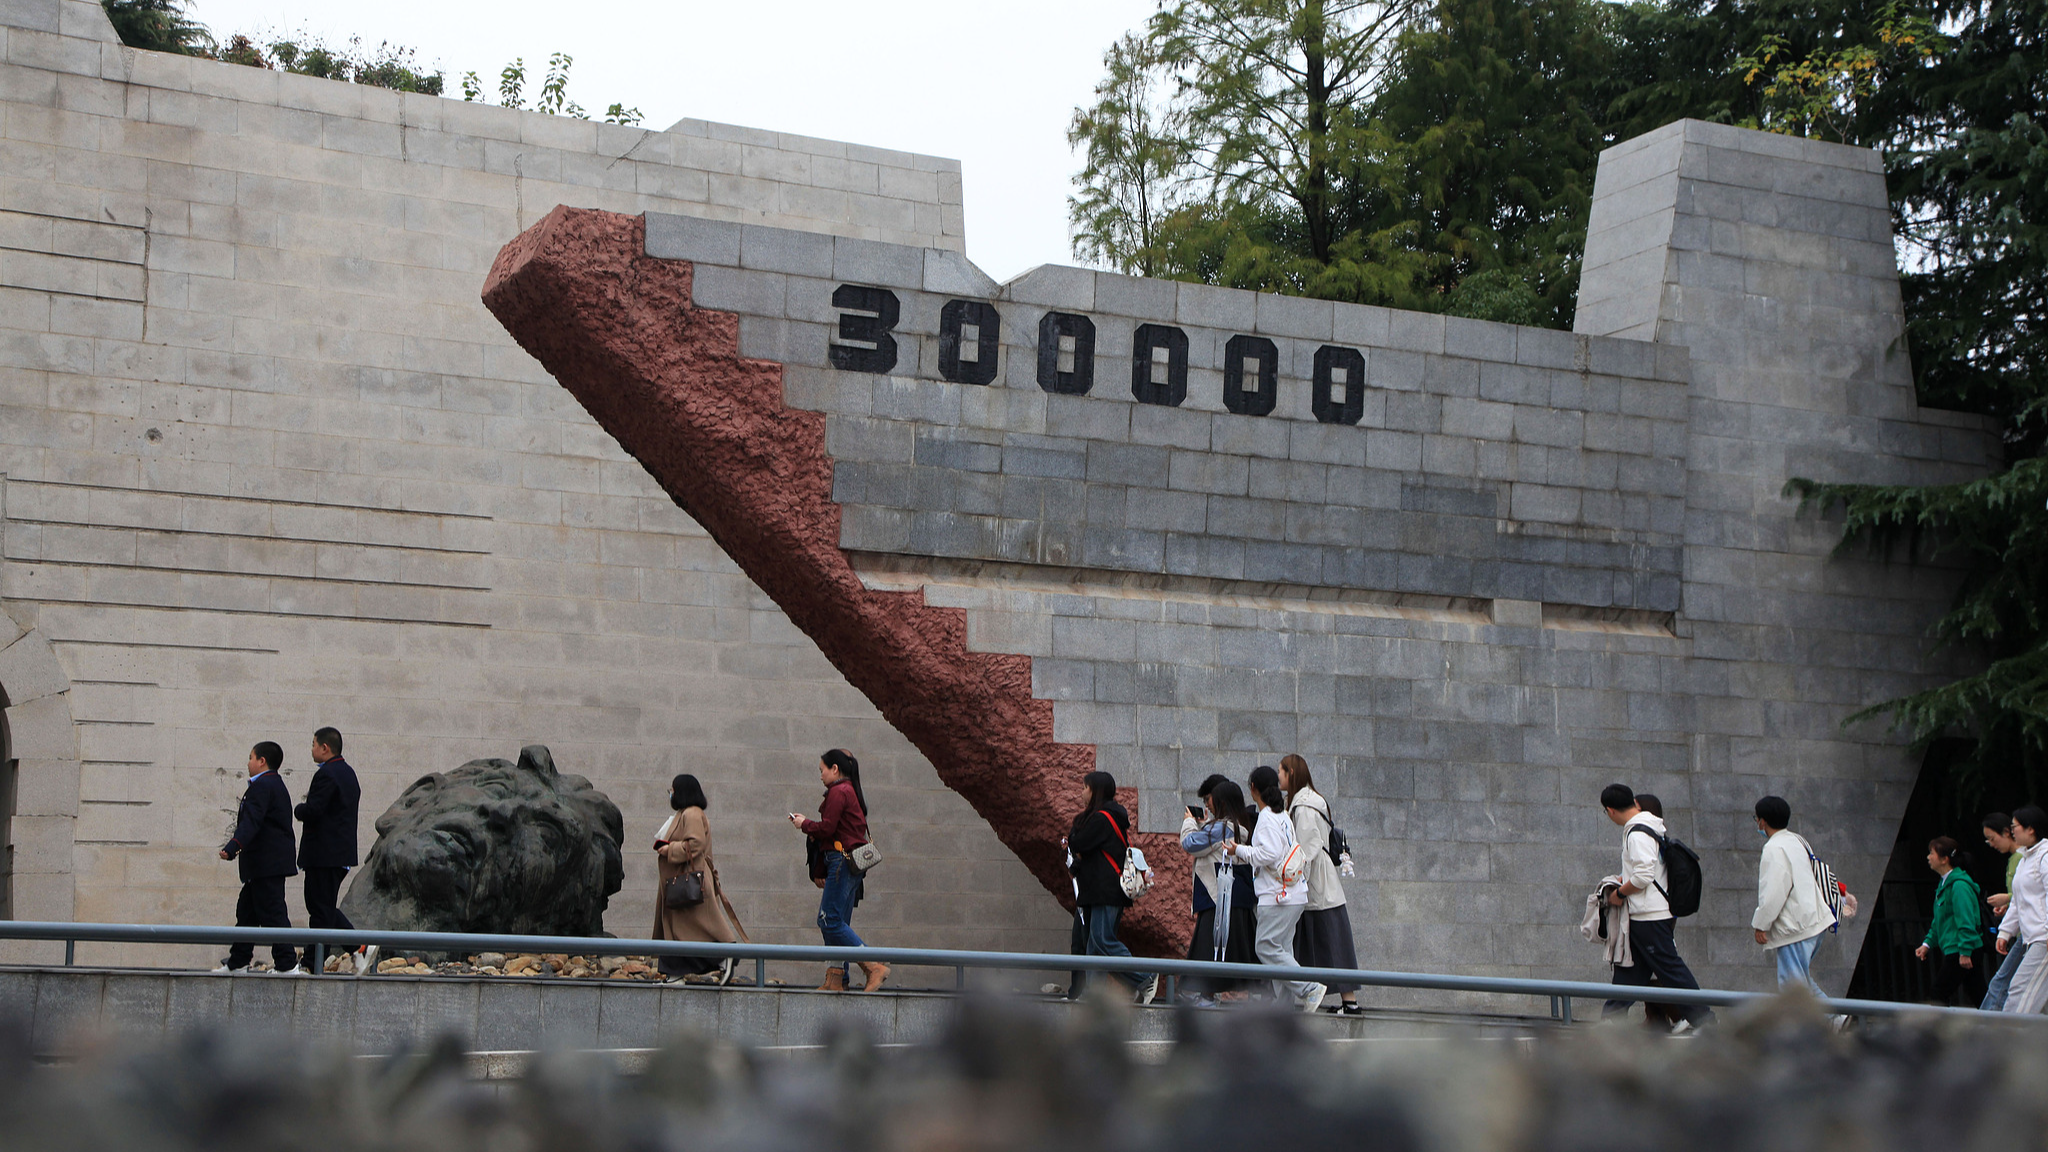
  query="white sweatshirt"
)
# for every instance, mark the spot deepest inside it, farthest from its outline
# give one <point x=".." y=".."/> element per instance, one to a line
<point x="1272" y="840"/>
<point x="1642" y="865"/>
<point x="1790" y="906"/>
<point x="2026" y="917"/>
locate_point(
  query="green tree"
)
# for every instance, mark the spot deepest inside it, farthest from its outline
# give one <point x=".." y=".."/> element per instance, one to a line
<point x="1374" y="153"/>
<point x="1495" y="114"/>
<point x="158" y="26"/>
<point x="1133" y="158"/>
<point x="387" y="66"/>
<point x="554" y="91"/>
<point x="1968" y="164"/>
<point x="1270" y="92"/>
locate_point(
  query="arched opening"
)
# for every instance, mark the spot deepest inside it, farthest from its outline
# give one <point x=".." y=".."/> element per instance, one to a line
<point x="6" y="813"/>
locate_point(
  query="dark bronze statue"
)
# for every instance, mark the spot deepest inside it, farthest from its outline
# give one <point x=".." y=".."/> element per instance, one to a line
<point x="493" y="847"/>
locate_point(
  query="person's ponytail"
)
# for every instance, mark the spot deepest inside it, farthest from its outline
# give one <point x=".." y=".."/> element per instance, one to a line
<point x="1265" y="784"/>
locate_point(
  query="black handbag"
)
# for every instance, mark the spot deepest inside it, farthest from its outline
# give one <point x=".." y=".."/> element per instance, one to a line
<point x="684" y="891"/>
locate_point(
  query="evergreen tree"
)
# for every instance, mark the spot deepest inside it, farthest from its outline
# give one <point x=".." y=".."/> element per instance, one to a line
<point x="1968" y="160"/>
<point x="158" y="26"/>
<point x="1133" y="159"/>
<point x="1494" y="112"/>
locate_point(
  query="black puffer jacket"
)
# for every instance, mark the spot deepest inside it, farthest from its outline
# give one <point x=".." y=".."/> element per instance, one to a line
<point x="1099" y="848"/>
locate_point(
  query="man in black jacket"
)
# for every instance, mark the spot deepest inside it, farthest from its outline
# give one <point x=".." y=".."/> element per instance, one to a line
<point x="263" y="843"/>
<point x="327" y="848"/>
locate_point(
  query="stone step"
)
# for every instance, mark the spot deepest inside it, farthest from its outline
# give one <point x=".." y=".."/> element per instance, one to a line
<point x="68" y="1010"/>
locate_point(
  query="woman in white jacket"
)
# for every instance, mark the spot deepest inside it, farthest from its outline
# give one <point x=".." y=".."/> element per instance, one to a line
<point x="1323" y="939"/>
<point x="1280" y="880"/>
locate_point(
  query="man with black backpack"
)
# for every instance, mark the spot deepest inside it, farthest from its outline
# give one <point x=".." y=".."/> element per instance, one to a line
<point x="1660" y="880"/>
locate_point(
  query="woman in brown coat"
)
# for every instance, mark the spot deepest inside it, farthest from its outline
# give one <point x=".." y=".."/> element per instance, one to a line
<point x="684" y="846"/>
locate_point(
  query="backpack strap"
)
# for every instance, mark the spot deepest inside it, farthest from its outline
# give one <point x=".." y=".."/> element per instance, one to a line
<point x="1652" y="834"/>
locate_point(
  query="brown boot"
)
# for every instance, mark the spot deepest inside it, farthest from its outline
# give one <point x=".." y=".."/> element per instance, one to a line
<point x="876" y="974"/>
<point x="835" y="980"/>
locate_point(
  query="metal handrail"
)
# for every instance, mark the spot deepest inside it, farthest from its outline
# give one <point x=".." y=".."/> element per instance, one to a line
<point x="1561" y="992"/>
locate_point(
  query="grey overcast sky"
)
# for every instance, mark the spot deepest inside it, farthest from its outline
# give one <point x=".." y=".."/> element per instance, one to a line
<point x="991" y="83"/>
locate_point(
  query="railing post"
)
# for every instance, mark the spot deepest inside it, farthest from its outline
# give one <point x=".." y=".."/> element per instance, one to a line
<point x="761" y="972"/>
<point x="960" y="977"/>
<point x="1567" y="1008"/>
<point x="1172" y="989"/>
<point x="70" y="953"/>
<point x="319" y="958"/>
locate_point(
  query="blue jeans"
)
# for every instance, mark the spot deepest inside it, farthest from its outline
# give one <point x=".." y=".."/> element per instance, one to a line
<point x="835" y="904"/>
<point x="1994" y="997"/>
<point x="1795" y="963"/>
<point x="1102" y="940"/>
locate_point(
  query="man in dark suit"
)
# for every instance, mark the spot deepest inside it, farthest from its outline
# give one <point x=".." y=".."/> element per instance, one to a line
<point x="263" y="843"/>
<point x="327" y="848"/>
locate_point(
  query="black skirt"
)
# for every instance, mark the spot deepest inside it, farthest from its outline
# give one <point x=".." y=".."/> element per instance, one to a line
<point x="1323" y="940"/>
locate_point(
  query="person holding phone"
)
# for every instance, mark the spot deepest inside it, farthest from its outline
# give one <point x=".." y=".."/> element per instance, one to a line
<point x="1202" y="835"/>
<point x="841" y="826"/>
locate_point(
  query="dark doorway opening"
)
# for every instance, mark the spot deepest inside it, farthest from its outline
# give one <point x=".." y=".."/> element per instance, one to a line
<point x="7" y="771"/>
<point x="1904" y="904"/>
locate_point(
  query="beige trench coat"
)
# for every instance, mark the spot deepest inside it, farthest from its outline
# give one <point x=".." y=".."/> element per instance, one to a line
<point x="689" y="850"/>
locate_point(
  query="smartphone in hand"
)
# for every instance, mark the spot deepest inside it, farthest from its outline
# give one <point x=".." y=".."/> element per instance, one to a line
<point x="1196" y="811"/>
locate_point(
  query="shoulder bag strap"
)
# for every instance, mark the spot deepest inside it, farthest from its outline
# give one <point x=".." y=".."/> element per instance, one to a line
<point x="1112" y="826"/>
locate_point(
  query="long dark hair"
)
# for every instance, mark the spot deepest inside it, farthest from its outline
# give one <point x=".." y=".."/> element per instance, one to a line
<point x="685" y="792"/>
<point x="1295" y="775"/>
<point x="1229" y="801"/>
<point x="1101" y="789"/>
<point x="848" y="767"/>
<point x="1265" y="784"/>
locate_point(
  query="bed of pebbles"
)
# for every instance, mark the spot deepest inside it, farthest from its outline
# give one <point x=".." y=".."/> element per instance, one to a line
<point x="559" y="965"/>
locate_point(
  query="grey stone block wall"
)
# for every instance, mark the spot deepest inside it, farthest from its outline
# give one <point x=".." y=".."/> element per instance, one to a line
<point x="1537" y="562"/>
<point x="270" y="465"/>
<point x="72" y="1012"/>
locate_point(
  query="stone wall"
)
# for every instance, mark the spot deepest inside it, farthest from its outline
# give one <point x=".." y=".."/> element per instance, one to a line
<point x="269" y="465"/>
<point x="1472" y="572"/>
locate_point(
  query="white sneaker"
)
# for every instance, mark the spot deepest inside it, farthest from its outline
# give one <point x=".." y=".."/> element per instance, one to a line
<point x="1315" y="997"/>
<point x="1149" y="992"/>
<point x="225" y="968"/>
<point x="1683" y="1028"/>
<point x="366" y="960"/>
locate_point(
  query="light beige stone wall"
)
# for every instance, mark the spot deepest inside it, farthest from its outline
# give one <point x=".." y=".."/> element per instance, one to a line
<point x="270" y="465"/>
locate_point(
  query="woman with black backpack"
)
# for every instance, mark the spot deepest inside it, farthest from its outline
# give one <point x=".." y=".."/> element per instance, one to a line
<point x="1323" y="938"/>
<point x="1100" y="844"/>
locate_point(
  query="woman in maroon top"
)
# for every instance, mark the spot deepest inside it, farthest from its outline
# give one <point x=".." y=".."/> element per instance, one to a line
<point x="841" y="826"/>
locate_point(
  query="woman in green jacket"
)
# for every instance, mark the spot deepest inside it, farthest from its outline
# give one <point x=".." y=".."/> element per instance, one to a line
<point x="1958" y="930"/>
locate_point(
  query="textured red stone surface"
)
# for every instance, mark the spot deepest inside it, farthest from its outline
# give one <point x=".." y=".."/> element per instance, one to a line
<point x="617" y="328"/>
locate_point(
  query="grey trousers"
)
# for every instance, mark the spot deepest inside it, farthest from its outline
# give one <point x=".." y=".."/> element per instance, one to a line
<point x="1276" y="947"/>
<point x="2028" y="993"/>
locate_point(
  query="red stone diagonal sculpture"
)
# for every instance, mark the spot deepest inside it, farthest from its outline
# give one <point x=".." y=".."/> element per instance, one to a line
<point x="617" y="328"/>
